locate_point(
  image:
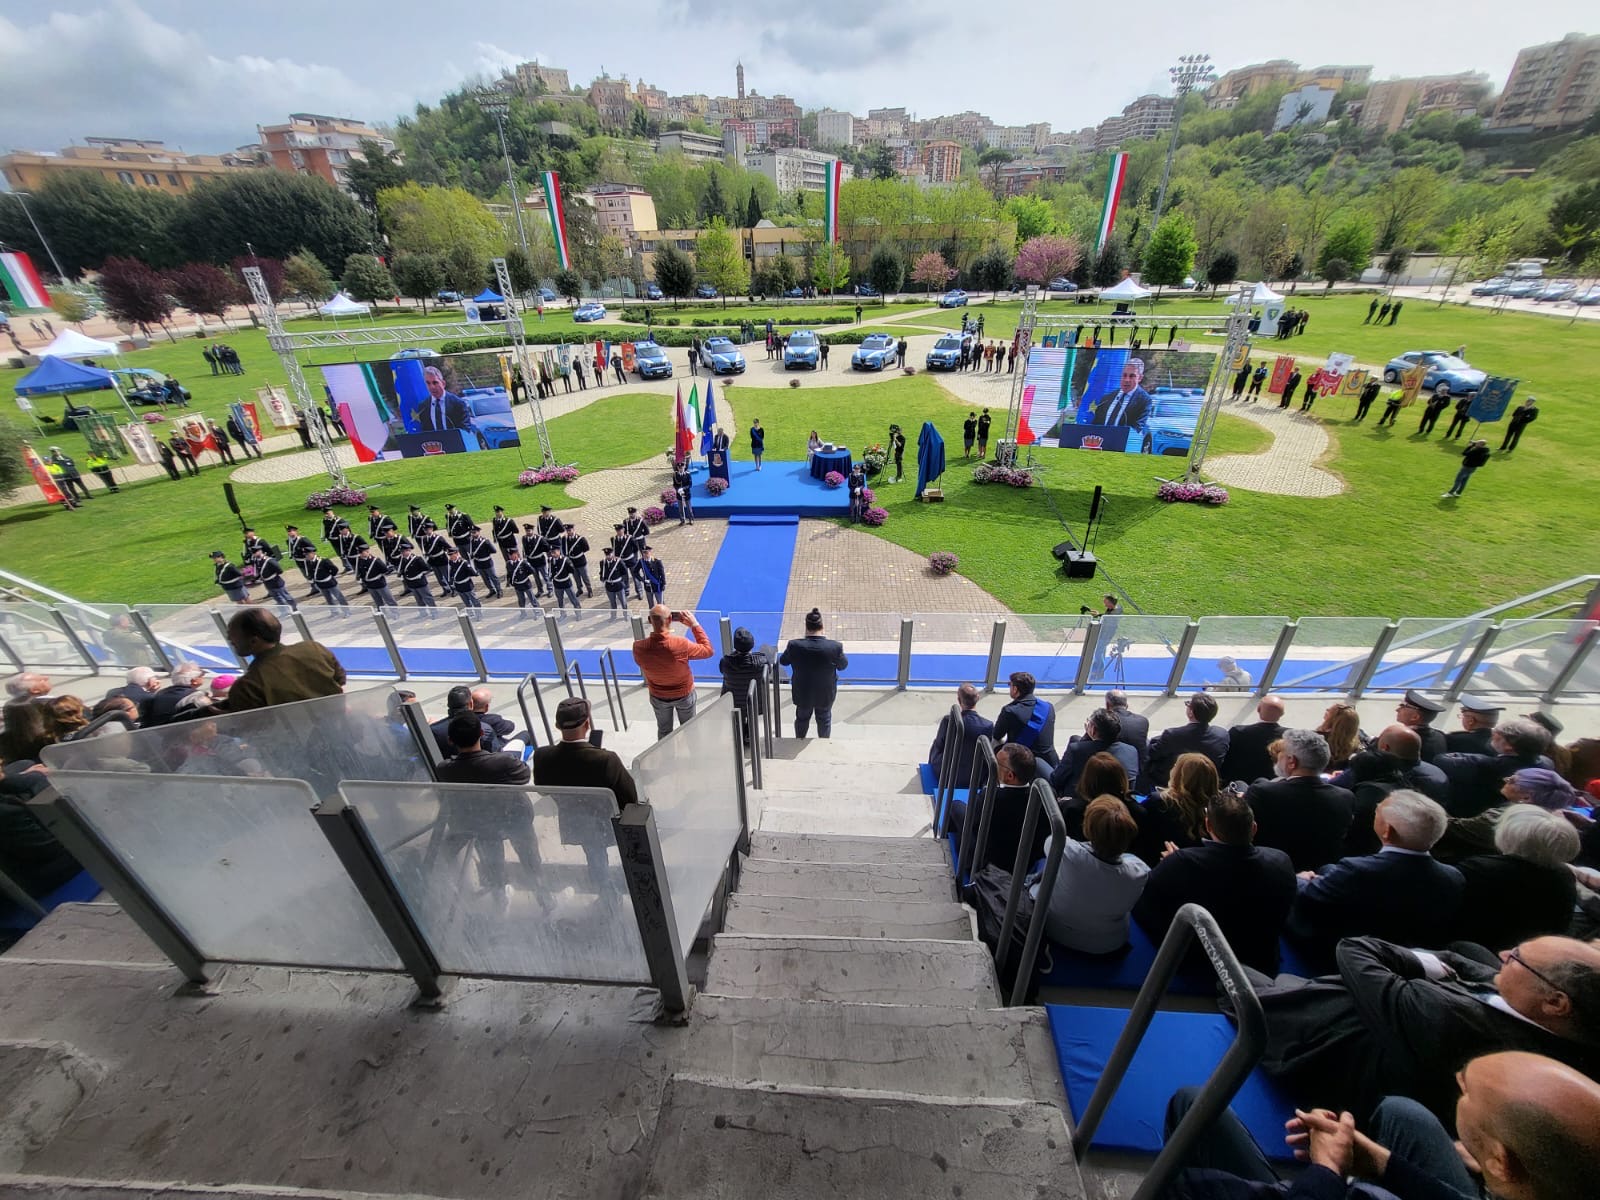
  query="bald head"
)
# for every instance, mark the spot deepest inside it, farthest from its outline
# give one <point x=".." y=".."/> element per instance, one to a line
<point x="1532" y="1124"/>
<point x="481" y="698"/>
<point x="1402" y="742"/>
<point x="1554" y="982"/>
<point x="1271" y="708"/>
<point x="660" y="618"/>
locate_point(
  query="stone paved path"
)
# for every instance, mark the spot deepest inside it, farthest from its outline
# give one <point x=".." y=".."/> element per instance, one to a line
<point x="1289" y="466"/>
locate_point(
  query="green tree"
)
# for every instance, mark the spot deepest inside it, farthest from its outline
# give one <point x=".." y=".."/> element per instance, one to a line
<point x="1575" y="221"/>
<point x="274" y="214"/>
<point x="89" y="220"/>
<point x="435" y="220"/>
<point x="1033" y="214"/>
<point x="1334" y="270"/>
<point x="674" y="273"/>
<point x="992" y="159"/>
<point x="1403" y="204"/>
<point x="1223" y="268"/>
<point x="1349" y="241"/>
<point x="70" y="306"/>
<point x="367" y="279"/>
<point x="1109" y="264"/>
<point x="1169" y="257"/>
<point x="830" y="269"/>
<point x="785" y="271"/>
<point x="886" y="270"/>
<point x="373" y="170"/>
<point x="570" y="284"/>
<point x="613" y="257"/>
<point x="713" y="204"/>
<point x="305" y="276"/>
<point x="719" y="261"/>
<point x="752" y="211"/>
<point x="992" y="269"/>
<point x="465" y="268"/>
<point x="880" y="162"/>
<point x="14" y="471"/>
<point x="420" y="276"/>
<point x="519" y="266"/>
<point x="1394" y="263"/>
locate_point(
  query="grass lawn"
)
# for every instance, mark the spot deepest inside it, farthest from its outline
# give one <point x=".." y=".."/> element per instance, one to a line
<point x="1388" y="546"/>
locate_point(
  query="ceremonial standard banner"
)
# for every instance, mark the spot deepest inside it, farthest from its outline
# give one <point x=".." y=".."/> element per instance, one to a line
<point x="1354" y="381"/>
<point x="1282" y="368"/>
<point x="1493" y="398"/>
<point x="41" y="475"/>
<point x="279" y="411"/>
<point x="1411" y="384"/>
<point x="141" y="442"/>
<point x="21" y="283"/>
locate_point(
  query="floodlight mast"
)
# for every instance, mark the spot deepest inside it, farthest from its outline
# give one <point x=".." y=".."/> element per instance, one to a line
<point x="1191" y="71"/>
<point x="498" y="105"/>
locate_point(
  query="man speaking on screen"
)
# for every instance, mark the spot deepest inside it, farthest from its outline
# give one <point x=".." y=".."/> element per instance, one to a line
<point x="442" y="409"/>
<point x="1130" y="404"/>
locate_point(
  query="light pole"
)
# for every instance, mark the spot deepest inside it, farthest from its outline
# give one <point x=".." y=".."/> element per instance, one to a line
<point x="498" y="105"/>
<point x="39" y="233"/>
<point x="1192" y="71"/>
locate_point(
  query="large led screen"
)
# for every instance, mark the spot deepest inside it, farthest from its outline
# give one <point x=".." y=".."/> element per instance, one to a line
<point x="1115" y="398"/>
<point x="416" y="407"/>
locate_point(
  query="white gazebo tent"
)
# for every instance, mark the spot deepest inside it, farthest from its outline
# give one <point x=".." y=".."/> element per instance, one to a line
<point x="1126" y="290"/>
<point x="1252" y="293"/>
<point x="69" y="343"/>
<point x="342" y="306"/>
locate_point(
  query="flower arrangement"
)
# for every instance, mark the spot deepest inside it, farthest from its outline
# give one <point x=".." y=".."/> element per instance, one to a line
<point x="875" y="458"/>
<point x="833" y="479"/>
<point x="792" y="383"/>
<point x="875" y="515"/>
<point x="154" y="418"/>
<point x="1174" y="492"/>
<point x="654" y="515"/>
<point x="340" y="497"/>
<point x="716" y="486"/>
<point x="990" y="473"/>
<point x="537" y="475"/>
<point x="942" y="562"/>
<point x="668" y="496"/>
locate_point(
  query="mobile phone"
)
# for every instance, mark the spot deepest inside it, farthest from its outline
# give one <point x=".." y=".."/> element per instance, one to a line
<point x="596" y="736"/>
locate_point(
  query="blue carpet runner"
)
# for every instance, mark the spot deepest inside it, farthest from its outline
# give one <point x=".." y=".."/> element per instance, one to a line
<point x="750" y="575"/>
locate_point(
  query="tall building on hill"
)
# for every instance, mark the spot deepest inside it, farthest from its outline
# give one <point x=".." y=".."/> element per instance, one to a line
<point x="1393" y="103"/>
<point x="738" y="74"/>
<point x="941" y="161"/>
<point x="1241" y="82"/>
<point x="1147" y="117"/>
<point x="623" y="209"/>
<point x="1335" y="79"/>
<point x="132" y="162"/>
<point x="1553" y="86"/>
<point x="612" y="99"/>
<point x="532" y="77"/>
<point x="320" y="146"/>
<point x="794" y="170"/>
<point x="835" y="128"/>
<point x="696" y="147"/>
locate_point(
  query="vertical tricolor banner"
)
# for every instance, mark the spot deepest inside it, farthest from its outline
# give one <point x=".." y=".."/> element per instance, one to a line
<point x="21" y="283"/>
<point x="830" y="202"/>
<point x="558" y="217"/>
<point x="683" y="435"/>
<point x="1115" y="178"/>
<point x="48" y="488"/>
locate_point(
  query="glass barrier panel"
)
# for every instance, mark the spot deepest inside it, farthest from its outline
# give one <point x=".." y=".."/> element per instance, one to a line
<point x="1427" y="653"/>
<point x="34" y="637"/>
<point x="1248" y="641"/>
<point x="513" y="640"/>
<point x="688" y="779"/>
<point x="1328" y="653"/>
<point x="351" y="634"/>
<point x="1136" y="651"/>
<point x="188" y="633"/>
<point x="1047" y="645"/>
<point x="431" y="642"/>
<point x="585" y="634"/>
<point x="239" y="864"/>
<point x="951" y="647"/>
<point x="108" y="635"/>
<point x="358" y="735"/>
<point x="1528" y="655"/>
<point x="506" y="880"/>
<point x="871" y="640"/>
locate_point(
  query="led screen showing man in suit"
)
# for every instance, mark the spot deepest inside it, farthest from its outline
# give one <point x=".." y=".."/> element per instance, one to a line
<point x="1118" y="398"/>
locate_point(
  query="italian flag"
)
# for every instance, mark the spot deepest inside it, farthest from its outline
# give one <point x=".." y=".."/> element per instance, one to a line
<point x="1117" y="176"/>
<point x="683" y="437"/>
<point x="21" y="283"/>
<point x="558" y="217"/>
<point x="830" y="202"/>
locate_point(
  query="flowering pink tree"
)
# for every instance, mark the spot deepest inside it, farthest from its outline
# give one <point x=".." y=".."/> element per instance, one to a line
<point x="931" y="271"/>
<point x="1047" y="256"/>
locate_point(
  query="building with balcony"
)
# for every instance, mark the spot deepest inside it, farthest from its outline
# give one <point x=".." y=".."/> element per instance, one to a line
<point x="1335" y="78"/>
<point x="835" y="128"/>
<point x="941" y="161"/>
<point x="761" y="131"/>
<point x="1241" y="82"/>
<point x="696" y="147"/>
<point x="794" y="170"/>
<point x="320" y="146"/>
<point x="1017" y="177"/>
<point x="1391" y="104"/>
<point x="132" y="162"/>
<point x="1554" y="86"/>
<point x="1147" y="117"/>
<point x="612" y="99"/>
<point x="623" y="209"/>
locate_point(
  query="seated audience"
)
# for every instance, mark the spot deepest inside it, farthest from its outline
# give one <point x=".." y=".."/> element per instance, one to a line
<point x="486" y="822"/>
<point x="1536" y="786"/>
<point x="576" y="762"/>
<point x="1298" y="813"/>
<point x="1416" y="711"/>
<point x="141" y="684"/>
<point x="1560" y="756"/>
<point x="1525" y="890"/>
<point x="1101" y="729"/>
<point x="30" y="685"/>
<point x="1247" y="759"/>
<point x="1098" y="884"/>
<point x="1584" y="758"/>
<point x="1393" y="761"/>
<point x="973" y="726"/>
<point x="1247" y="888"/>
<point x="1029" y="720"/>
<point x="66" y="716"/>
<point x="25" y="731"/>
<point x="1528" y="1127"/>
<point x="208" y="751"/>
<point x="1475" y="778"/>
<point x="511" y="740"/>
<point x="1103" y="775"/>
<point x="163" y="707"/>
<point x="1478" y="719"/>
<point x="125" y="710"/>
<point x="1135" y="733"/>
<point x="1400" y="894"/>
<point x="457" y="703"/>
<point x="1197" y="736"/>
<point x="217" y="692"/>
<point x="1341" y="728"/>
<point x="1176" y="814"/>
<point x="1018" y="769"/>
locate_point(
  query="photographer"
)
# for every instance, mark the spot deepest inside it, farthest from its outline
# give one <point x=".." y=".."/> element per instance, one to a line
<point x="664" y="659"/>
<point x="1110" y="617"/>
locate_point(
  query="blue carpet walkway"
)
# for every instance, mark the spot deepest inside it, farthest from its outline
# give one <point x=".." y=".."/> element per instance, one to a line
<point x="750" y="575"/>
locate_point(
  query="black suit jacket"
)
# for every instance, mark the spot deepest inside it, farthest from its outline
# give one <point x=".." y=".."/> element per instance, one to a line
<point x="1475" y="779"/>
<point x="1133" y="416"/>
<point x="1462" y="741"/>
<point x="1409" y="899"/>
<point x="1508" y="900"/>
<point x="1012" y="724"/>
<point x="1247" y="757"/>
<point x="973" y="727"/>
<point x="578" y="764"/>
<point x="1248" y="889"/>
<point x="1304" y="817"/>
<point x="814" y="664"/>
<point x="457" y="415"/>
<point x="483" y="766"/>
<point x="1193" y="738"/>
<point x="1064" y="779"/>
<point x="1433" y="742"/>
<point x="1136" y="733"/>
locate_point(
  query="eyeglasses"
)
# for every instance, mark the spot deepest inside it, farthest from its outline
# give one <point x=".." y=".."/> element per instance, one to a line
<point x="1515" y="955"/>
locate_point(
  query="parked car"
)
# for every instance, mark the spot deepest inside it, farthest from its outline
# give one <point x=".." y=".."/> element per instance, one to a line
<point x="1062" y="284"/>
<point x="1591" y="296"/>
<point x="1169" y="425"/>
<point x="491" y="417"/>
<point x="1446" y="374"/>
<point x="448" y="297"/>
<point x="651" y="361"/>
<point x="1522" y="289"/>
<point x="946" y="354"/>
<point x="795" y="293"/>
<point x="652" y="292"/>
<point x="866" y="289"/>
<point x="722" y="356"/>
<point x="589" y="312"/>
<point x="706" y="292"/>
<point x="415" y="352"/>
<point x="1561" y="289"/>
<point x="1491" y="287"/>
<point x="876" y="352"/>
<point x="802" y="350"/>
<point x="954" y="298"/>
<point x="547" y="295"/>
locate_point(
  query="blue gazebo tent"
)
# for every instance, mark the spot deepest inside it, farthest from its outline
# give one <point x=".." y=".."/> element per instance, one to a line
<point x="59" y="377"/>
<point x="488" y="296"/>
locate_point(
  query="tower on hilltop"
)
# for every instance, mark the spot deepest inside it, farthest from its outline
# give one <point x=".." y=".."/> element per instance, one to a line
<point x="738" y="74"/>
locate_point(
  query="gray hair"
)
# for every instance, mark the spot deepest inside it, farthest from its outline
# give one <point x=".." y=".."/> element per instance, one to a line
<point x="1536" y="835"/>
<point x="1137" y="364"/>
<point x="1308" y="748"/>
<point x="1417" y="821"/>
<point x="1528" y="739"/>
<point x="20" y="687"/>
<point x="140" y="676"/>
<point x="186" y="673"/>
<point x="967" y="695"/>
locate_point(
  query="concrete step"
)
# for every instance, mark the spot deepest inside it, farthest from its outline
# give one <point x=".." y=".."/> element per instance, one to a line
<point x="849" y="812"/>
<point x="942" y="974"/>
<point x="922" y="1050"/>
<point x="717" y="1140"/>
<point x="867" y="747"/>
<point x="945" y="920"/>
<point x="827" y="772"/>
<point x="847" y="881"/>
<point x="826" y="848"/>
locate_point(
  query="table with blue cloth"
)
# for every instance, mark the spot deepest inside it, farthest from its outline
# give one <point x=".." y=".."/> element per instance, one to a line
<point x="823" y="461"/>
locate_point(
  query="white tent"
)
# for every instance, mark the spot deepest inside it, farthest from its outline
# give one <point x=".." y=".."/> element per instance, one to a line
<point x="342" y="306"/>
<point x="1126" y="290"/>
<point x="69" y="343"/>
<point x="1253" y="293"/>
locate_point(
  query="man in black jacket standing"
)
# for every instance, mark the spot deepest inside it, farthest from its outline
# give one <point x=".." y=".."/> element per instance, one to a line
<point x="814" y="664"/>
<point x="1196" y="737"/>
<point x="1299" y="814"/>
<point x="1247" y="759"/>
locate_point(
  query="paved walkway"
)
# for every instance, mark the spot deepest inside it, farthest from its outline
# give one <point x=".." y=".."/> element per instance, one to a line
<point x="1289" y="466"/>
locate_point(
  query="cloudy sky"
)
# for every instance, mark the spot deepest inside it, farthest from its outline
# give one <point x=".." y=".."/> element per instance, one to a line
<point x="202" y="74"/>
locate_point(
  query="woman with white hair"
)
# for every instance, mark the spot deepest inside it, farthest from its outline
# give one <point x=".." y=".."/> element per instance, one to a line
<point x="1525" y="890"/>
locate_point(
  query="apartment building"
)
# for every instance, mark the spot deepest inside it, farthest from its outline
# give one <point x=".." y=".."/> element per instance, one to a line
<point x="1553" y="86"/>
<point x="941" y="161"/>
<point x="322" y="146"/>
<point x="132" y="162"/>
<point x="835" y="128"/>
<point x="533" y="77"/>
<point x="623" y="209"/>
<point x="794" y="170"/>
<point x="696" y="147"/>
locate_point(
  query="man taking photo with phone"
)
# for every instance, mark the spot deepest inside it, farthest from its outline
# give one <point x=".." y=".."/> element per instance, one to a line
<point x="664" y="659"/>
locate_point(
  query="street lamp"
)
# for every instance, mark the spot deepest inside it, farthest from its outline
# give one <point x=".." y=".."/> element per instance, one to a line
<point x="1192" y="71"/>
<point x="39" y="233"/>
<point x="498" y="105"/>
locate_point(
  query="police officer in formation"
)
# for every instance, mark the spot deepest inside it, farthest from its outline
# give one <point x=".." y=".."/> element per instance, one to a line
<point x="377" y="523"/>
<point x="460" y="525"/>
<point x="325" y="579"/>
<point x="299" y="548"/>
<point x="435" y="547"/>
<point x="347" y="544"/>
<point x="614" y="579"/>
<point x="564" y="579"/>
<point x="504" y="532"/>
<point x="683" y="485"/>
<point x="270" y="575"/>
<point x="576" y="548"/>
<point x="655" y="577"/>
<point x="480" y="550"/>
<point x="229" y="578"/>
<point x="390" y="543"/>
<point x="373" y="575"/>
<point x="414" y="573"/>
<point x="635" y="530"/>
<point x="458" y="575"/>
<point x="521" y="576"/>
<point x="252" y="543"/>
<point x="416" y="521"/>
<point x="536" y="554"/>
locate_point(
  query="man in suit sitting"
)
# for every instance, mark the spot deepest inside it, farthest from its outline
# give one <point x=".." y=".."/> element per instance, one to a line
<point x="1018" y="769"/>
<point x="1247" y="759"/>
<point x="575" y="762"/>
<point x="1401" y="893"/>
<point x="1135" y="733"/>
<point x="1475" y="779"/>
<point x="814" y="664"/>
<point x="443" y="409"/>
<point x="1478" y="719"/>
<point x="973" y="727"/>
<point x="484" y="820"/>
<point x="1298" y="813"/>
<point x="1100" y="733"/>
<point x="1130" y="404"/>
<point x="1417" y="711"/>
<point x="1247" y="888"/>
<point x="1028" y="720"/>
<point x="1196" y="737"/>
<point x="1391" y="762"/>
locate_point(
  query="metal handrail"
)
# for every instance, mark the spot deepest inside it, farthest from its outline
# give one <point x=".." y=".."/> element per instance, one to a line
<point x="530" y="680"/>
<point x="619" y="718"/>
<point x="752" y="700"/>
<point x="768" y="737"/>
<point x="1040" y="799"/>
<point x="566" y="678"/>
<point x="1249" y="1042"/>
<point x="975" y="829"/>
<point x="944" y="787"/>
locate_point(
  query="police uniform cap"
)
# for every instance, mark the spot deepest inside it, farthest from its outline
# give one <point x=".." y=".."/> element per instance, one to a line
<point x="1418" y="701"/>
<point x="1478" y="705"/>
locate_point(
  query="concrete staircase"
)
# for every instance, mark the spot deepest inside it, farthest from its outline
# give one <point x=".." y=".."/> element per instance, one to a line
<point x="848" y="1040"/>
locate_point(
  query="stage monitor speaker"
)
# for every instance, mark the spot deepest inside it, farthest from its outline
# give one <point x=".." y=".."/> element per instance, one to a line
<point x="1094" y="505"/>
<point x="227" y="492"/>
<point x="1062" y="549"/>
<point x="1080" y="564"/>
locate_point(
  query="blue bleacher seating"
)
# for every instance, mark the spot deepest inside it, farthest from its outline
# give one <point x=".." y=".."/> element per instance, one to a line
<point x="80" y="888"/>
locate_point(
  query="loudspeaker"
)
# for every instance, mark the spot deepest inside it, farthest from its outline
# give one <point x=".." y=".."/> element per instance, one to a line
<point x="227" y="492"/>
<point x="1080" y="564"/>
<point x="1062" y="549"/>
<point x="1094" y="505"/>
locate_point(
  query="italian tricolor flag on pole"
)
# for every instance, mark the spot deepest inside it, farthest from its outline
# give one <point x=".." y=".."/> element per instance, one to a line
<point x="20" y="282"/>
<point x="1108" y="215"/>
<point x="558" y="217"/>
<point x="830" y="202"/>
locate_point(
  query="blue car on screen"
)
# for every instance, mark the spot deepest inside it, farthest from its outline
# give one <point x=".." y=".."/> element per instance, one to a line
<point x="491" y="417"/>
<point x="946" y="354"/>
<point x="876" y="352"/>
<point x="955" y="298"/>
<point x="802" y="350"/>
<point x="651" y="361"/>
<point x="1169" y="425"/>
<point x="722" y="356"/>
<point x="589" y="312"/>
